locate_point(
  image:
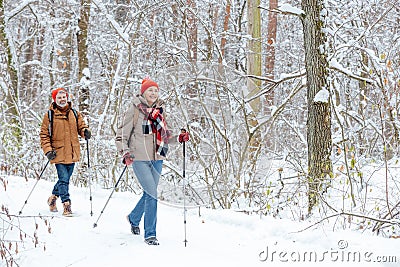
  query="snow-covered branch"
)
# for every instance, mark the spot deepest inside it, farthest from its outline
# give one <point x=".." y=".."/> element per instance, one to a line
<point x="286" y="9"/>
<point x="273" y="83"/>
<point x="18" y="9"/>
<point x="335" y="65"/>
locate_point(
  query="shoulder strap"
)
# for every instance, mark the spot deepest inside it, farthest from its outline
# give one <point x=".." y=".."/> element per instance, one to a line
<point x="135" y="120"/>
<point x="50" y="114"/>
<point x="76" y="118"/>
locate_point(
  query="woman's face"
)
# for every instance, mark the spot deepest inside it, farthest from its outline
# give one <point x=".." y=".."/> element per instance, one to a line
<point x="151" y="95"/>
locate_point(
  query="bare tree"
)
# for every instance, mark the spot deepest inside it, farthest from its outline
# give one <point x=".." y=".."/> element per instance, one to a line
<point x="271" y="38"/>
<point x="254" y="51"/>
<point x="82" y="41"/>
<point x="254" y="69"/>
<point x="227" y="17"/>
<point x="270" y="46"/>
<point x="12" y="129"/>
<point x="191" y="21"/>
<point x="319" y="137"/>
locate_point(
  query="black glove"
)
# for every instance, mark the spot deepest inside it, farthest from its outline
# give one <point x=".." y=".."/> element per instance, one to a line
<point x="87" y="134"/>
<point x="51" y="155"/>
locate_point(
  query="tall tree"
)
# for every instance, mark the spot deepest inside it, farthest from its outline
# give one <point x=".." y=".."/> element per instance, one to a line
<point x="66" y="45"/>
<point x="271" y="38"/>
<point x="254" y="51"/>
<point x="11" y="81"/>
<point x="227" y="17"/>
<point x="82" y="41"/>
<point x="253" y="84"/>
<point x="319" y="139"/>
<point x="270" y="47"/>
<point x="191" y="21"/>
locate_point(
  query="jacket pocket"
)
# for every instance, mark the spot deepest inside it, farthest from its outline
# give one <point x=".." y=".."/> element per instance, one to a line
<point x="76" y="153"/>
<point x="60" y="154"/>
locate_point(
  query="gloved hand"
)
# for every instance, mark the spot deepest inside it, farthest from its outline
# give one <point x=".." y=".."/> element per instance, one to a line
<point x="127" y="159"/>
<point x="51" y="155"/>
<point x="87" y="133"/>
<point x="183" y="136"/>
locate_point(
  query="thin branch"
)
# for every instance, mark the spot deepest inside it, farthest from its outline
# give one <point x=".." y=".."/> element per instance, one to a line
<point x="383" y="221"/>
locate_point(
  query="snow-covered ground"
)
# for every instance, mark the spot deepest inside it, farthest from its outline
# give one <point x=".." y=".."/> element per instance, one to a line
<point x="215" y="237"/>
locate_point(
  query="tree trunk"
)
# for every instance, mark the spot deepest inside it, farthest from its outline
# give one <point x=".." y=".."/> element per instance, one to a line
<point x="27" y="71"/>
<point x="271" y="39"/>
<point x="11" y="79"/>
<point x="253" y="85"/>
<point x="226" y="27"/>
<point x="83" y="72"/>
<point x="121" y="12"/>
<point x="191" y="30"/>
<point x="254" y="51"/>
<point x="270" y="47"/>
<point x="319" y="137"/>
<point x="213" y="12"/>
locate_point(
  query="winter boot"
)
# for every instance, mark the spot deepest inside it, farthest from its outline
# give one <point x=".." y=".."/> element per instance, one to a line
<point x="67" y="209"/>
<point x="51" y="201"/>
<point x="134" y="229"/>
<point x="152" y="241"/>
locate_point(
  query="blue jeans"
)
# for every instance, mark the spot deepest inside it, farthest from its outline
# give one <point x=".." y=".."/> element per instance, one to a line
<point x="148" y="174"/>
<point x="61" y="188"/>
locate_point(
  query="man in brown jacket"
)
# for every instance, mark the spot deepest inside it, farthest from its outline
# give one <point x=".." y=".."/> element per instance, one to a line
<point x="60" y="143"/>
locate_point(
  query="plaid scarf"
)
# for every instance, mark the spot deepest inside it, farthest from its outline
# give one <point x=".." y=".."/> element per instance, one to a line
<point x="154" y="123"/>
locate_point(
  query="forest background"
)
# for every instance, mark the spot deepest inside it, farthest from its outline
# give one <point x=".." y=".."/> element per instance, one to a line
<point x="292" y="106"/>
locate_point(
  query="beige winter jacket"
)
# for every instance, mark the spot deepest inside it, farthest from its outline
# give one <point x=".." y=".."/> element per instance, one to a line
<point x="64" y="135"/>
<point x="141" y="146"/>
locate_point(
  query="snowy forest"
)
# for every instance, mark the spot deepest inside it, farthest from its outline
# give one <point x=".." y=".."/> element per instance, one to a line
<point x="292" y="106"/>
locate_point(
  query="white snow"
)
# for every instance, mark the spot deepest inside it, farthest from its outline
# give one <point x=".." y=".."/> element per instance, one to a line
<point x="86" y="72"/>
<point x="18" y="8"/>
<point x="215" y="237"/>
<point x="287" y="8"/>
<point x="322" y="96"/>
<point x="333" y="63"/>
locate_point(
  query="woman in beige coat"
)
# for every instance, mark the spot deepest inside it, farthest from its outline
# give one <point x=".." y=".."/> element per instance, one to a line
<point x="142" y="139"/>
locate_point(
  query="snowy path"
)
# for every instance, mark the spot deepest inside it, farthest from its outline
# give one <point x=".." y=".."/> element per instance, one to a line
<point x="216" y="238"/>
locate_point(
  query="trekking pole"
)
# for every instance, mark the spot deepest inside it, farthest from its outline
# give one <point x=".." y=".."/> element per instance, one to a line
<point x="90" y="186"/>
<point x="184" y="188"/>
<point x="115" y="187"/>
<point x="26" y="201"/>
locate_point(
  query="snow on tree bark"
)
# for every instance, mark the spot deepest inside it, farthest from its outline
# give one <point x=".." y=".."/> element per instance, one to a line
<point x="319" y="137"/>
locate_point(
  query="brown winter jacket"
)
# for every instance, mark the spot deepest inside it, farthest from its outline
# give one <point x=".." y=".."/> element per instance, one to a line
<point x="65" y="135"/>
<point x="141" y="146"/>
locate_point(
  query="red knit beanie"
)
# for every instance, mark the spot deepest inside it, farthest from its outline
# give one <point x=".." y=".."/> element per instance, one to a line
<point x="146" y="83"/>
<point x="55" y="92"/>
